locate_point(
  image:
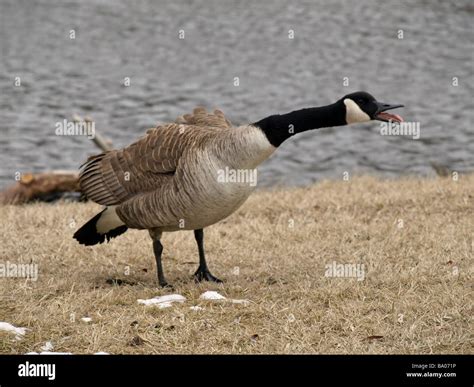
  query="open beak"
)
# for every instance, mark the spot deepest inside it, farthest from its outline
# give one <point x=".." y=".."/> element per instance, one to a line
<point x="382" y="115"/>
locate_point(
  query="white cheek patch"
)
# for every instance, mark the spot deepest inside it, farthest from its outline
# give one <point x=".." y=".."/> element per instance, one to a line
<point x="354" y="113"/>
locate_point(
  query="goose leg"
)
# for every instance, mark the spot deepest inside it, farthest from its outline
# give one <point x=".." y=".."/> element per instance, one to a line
<point x="158" y="250"/>
<point x="202" y="273"/>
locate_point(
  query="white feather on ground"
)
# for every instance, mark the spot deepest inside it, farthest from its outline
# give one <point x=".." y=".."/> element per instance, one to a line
<point x="48" y="346"/>
<point x="212" y="295"/>
<point x="215" y="296"/>
<point x="163" y="301"/>
<point x="7" y="327"/>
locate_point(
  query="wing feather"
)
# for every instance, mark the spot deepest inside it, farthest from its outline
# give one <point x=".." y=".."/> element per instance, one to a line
<point x="200" y="117"/>
<point x="113" y="177"/>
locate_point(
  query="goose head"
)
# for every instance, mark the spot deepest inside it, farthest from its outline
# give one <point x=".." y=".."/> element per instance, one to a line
<point x="362" y="107"/>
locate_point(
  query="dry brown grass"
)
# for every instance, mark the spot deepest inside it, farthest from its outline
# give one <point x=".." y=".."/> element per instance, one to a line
<point x="416" y="296"/>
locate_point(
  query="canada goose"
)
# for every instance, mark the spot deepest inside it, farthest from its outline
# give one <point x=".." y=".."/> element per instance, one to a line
<point x="167" y="180"/>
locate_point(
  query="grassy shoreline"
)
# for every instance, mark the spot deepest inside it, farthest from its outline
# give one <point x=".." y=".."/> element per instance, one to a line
<point x="413" y="236"/>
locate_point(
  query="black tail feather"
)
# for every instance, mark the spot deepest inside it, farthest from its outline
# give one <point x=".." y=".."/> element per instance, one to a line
<point x="88" y="235"/>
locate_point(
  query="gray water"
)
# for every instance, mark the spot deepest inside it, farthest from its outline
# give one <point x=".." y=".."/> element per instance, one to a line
<point x="249" y="40"/>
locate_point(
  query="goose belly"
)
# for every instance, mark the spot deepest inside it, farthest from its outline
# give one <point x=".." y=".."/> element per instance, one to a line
<point x="219" y="207"/>
<point x="216" y="193"/>
<point x="199" y="195"/>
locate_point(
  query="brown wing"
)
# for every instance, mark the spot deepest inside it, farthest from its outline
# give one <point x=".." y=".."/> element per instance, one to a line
<point x="112" y="177"/>
<point x="200" y="117"/>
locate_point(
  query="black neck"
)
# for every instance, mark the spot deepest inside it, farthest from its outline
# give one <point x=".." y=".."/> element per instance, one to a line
<point x="278" y="128"/>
